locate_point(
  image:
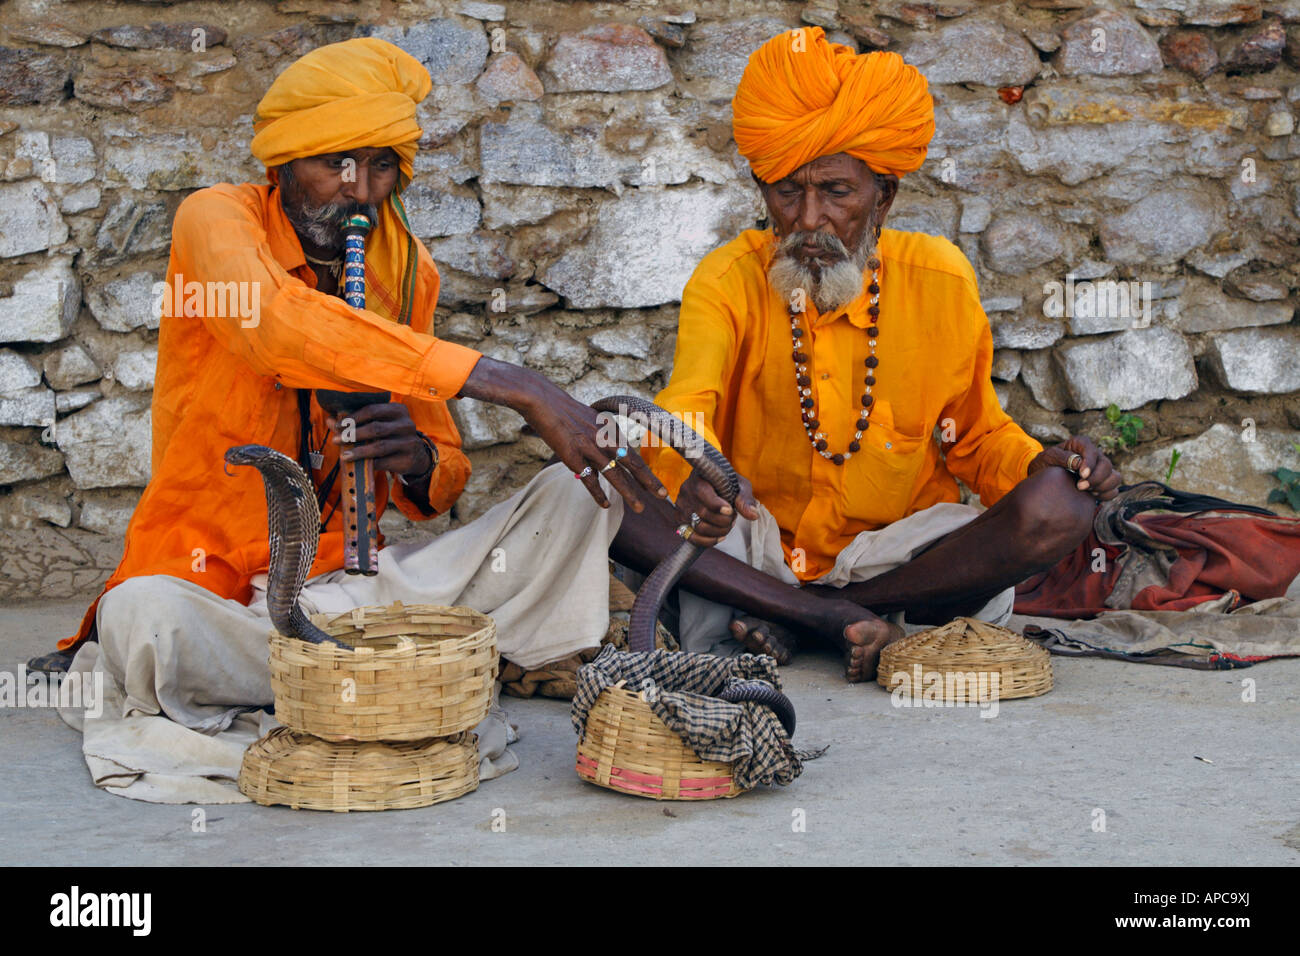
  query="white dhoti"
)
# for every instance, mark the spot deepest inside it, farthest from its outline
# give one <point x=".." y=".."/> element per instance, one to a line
<point x="184" y="669"/>
<point x="704" y="624"/>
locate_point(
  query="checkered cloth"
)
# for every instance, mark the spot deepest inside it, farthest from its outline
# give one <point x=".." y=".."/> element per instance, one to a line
<point x="680" y="689"/>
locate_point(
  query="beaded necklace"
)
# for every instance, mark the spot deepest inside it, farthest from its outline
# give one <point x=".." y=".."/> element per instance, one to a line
<point x="803" y="382"/>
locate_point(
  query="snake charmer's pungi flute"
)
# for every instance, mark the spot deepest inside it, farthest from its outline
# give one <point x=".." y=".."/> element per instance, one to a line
<point x="360" y="525"/>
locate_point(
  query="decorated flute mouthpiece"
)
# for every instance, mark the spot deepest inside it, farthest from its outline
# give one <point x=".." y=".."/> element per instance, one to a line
<point x="357" y="222"/>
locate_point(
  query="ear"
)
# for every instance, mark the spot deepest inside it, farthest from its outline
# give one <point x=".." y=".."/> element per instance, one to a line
<point x="886" y="189"/>
<point x="763" y="187"/>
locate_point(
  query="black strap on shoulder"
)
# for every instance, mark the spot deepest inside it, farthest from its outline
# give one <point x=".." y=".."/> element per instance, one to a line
<point x="304" y="456"/>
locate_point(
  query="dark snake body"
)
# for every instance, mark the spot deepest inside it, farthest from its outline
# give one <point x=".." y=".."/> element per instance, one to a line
<point x="293" y="517"/>
<point x="710" y="465"/>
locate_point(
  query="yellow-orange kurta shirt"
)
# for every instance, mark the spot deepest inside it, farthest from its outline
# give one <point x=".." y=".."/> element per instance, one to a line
<point x="220" y="383"/>
<point x="734" y="375"/>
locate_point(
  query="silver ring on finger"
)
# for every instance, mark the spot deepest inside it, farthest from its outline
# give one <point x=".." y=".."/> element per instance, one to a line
<point x="613" y="463"/>
<point x="695" y="521"/>
<point x="1075" y="463"/>
<point x="585" y="473"/>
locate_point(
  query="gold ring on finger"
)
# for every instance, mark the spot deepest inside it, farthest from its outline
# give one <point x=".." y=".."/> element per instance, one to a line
<point x="613" y="463"/>
<point x="685" y="532"/>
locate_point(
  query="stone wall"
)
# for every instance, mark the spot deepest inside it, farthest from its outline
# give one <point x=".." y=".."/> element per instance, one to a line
<point x="577" y="162"/>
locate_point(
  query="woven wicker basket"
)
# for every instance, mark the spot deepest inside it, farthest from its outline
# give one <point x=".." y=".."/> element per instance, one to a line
<point x="963" y="648"/>
<point x="417" y="672"/>
<point x="629" y="749"/>
<point x="304" y="772"/>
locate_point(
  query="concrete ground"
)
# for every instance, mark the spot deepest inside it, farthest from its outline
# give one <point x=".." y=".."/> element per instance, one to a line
<point x="898" y="786"/>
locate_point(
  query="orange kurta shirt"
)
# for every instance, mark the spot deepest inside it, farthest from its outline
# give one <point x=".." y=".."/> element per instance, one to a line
<point x="220" y="384"/>
<point x="733" y="374"/>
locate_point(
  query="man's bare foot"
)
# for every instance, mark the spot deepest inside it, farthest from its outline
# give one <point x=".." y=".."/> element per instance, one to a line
<point x="862" y="636"/>
<point x="764" y="637"/>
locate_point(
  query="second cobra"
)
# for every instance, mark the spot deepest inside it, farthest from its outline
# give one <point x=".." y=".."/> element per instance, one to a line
<point x="710" y="465"/>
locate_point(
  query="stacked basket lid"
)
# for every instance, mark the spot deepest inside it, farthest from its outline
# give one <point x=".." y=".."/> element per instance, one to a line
<point x="383" y="725"/>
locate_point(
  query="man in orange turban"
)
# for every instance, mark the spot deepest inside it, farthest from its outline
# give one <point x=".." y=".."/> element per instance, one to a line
<point x="182" y="622"/>
<point x="844" y="369"/>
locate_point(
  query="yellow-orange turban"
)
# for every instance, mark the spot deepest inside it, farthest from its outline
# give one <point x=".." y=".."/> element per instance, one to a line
<point x="802" y="97"/>
<point x="349" y="95"/>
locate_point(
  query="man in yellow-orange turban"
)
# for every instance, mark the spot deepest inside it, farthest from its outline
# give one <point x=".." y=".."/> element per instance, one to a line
<point x="844" y="369"/>
<point x="251" y="324"/>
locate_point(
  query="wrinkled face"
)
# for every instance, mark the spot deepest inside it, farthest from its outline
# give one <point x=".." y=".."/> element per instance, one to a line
<point x="826" y="214"/>
<point x="317" y="192"/>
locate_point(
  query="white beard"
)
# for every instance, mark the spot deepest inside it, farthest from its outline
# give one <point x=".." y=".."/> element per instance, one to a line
<point x="839" y="283"/>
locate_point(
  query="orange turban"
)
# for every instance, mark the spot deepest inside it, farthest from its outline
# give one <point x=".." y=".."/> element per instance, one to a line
<point x="352" y="95"/>
<point x="802" y="97"/>
<point x="343" y="96"/>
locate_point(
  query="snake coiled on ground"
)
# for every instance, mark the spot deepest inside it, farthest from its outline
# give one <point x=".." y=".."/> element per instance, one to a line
<point x="293" y="517"/>
<point x="710" y="465"/>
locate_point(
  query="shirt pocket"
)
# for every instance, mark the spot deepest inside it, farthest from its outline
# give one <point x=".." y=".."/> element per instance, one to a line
<point x="888" y="464"/>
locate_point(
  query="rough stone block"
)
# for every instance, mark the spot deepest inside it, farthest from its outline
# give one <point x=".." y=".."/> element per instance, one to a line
<point x="934" y="216"/>
<point x="608" y="58"/>
<point x="477" y="254"/>
<point x="80" y="200"/>
<point x="17" y="374"/>
<point x="162" y="36"/>
<point x="108" y="444"/>
<point x="633" y="340"/>
<point x="31" y="77"/>
<point x="1018" y="242"/>
<point x="974" y="50"/>
<point x="42" y="505"/>
<point x="436" y="211"/>
<point x="133" y="228"/>
<point x="1258" y="50"/>
<point x="73" y="399"/>
<point x="29" y="219"/>
<point x="1221" y="462"/>
<point x="130" y="88"/>
<point x="173" y="162"/>
<point x="1107" y="43"/>
<point x="482" y="425"/>
<point x="1012" y="331"/>
<point x="1190" y="52"/>
<point x="508" y="78"/>
<point x="1128" y="369"/>
<point x="451" y="51"/>
<point x="1161" y="228"/>
<point x="1006" y="365"/>
<point x="27" y="406"/>
<point x="645" y="246"/>
<point x="68" y="160"/>
<point x="1259" y="361"/>
<point x="108" y="512"/>
<point x="27" y="462"/>
<point x="124" y="304"/>
<point x="1204" y="308"/>
<point x="134" y="369"/>
<point x="43" y="305"/>
<point x="716" y="52"/>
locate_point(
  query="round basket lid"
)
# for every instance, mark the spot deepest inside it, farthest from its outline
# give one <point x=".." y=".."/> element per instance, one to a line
<point x="966" y="660"/>
<point x="304" y="772"/>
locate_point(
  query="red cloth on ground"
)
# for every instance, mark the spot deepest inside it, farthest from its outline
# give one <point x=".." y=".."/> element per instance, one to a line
<point x="1218" y="551"/>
